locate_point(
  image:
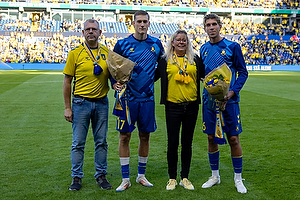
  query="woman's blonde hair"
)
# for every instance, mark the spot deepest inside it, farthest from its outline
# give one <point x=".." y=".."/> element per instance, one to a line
<point x="170" y="49"/>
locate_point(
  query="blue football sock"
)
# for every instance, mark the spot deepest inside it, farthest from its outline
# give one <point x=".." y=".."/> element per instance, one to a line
<point x="237" y="163"/>
<point x="142" y="165"/>
<point x="125" y="171"/>
<point x="214" y="160"/>
<point x="125" y="167"/>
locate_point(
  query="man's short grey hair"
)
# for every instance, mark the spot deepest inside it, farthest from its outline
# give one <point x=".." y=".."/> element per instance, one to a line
<point x="91" y="21"/>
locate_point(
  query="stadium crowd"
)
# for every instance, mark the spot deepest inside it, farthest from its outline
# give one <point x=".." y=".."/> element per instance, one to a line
<point x="19" y="48"/>
<point x="250" y="28"/>
<point x="229" y="27"/>
<point x="270" y="4"/>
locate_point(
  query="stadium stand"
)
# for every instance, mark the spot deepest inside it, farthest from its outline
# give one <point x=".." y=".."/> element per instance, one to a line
<point x="270" y="4"/>
<point x="45" y="38"/>
<point x="114" y="27"/>
<point x="229" y="27"/>
<point x="19" y="48"/>
<point x="15" y="25"/>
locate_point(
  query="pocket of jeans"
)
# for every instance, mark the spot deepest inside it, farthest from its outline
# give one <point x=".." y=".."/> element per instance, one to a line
<point x="77" y="100"/>
<point x="104" y="100"/>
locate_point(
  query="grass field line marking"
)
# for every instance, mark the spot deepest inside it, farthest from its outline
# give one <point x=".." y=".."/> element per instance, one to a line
<point x="12" y="83"/>
<point x="274" y="95"/>
<point x="31" y="71"/>
<point x="273" y="73"/>
<point x="272" y="88"/>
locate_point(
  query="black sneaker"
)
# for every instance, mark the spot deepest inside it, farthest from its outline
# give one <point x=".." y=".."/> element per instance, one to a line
<point x="103" y="183"/>
<point x="76" y="184"/>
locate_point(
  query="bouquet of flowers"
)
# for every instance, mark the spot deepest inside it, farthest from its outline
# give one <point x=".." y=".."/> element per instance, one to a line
<point x="217" y="82"/>
<point x="119" y="67"/>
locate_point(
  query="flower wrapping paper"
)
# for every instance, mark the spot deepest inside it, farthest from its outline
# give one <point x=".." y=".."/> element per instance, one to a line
<point x="217" y="82"/>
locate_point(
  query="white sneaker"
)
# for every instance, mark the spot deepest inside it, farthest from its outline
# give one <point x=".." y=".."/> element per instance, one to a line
<point x="171" y="184"/>
<point x="213" y="180"/>
<point x="240" y="186"/>
<point x="124" y="185"/>
<point x="142" y="180"/>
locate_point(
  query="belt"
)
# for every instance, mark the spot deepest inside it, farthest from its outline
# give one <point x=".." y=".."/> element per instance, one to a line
<point x="89" y="99"/>
<point x="182" y="103"/>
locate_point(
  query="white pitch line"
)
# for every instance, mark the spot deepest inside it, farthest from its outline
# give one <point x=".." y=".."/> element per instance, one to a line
<point x="31" y="82"/>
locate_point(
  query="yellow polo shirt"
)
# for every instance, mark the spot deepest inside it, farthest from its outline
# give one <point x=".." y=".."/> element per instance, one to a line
<point x="80" y="66"/>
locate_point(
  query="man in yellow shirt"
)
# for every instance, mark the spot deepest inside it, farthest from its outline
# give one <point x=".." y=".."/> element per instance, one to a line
<point x="87" y="66"/>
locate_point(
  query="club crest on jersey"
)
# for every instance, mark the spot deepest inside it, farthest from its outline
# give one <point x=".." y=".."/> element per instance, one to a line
<point x="223" y="53"/>
<point x="103" y="56"/>
<point x="205" y="54"/>
<point x="131" y="50"/>
<point x="152" y="49"/>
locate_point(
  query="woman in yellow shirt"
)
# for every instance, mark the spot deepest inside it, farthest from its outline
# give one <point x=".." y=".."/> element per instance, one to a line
<point x="180" y="72"/>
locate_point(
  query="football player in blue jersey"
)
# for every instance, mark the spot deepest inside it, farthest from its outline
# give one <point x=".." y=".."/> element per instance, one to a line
<point x="138" y="99"/>
<point x="217" y="51"/>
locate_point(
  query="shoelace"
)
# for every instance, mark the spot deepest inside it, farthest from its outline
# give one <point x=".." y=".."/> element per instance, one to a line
<point x="187" y="182"/>
<point x="170" y="182"/>
<point x="239" y="181"/>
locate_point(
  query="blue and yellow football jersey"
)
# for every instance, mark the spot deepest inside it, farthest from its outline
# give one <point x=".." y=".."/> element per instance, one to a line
<point x="145" y="53"/>
<point x="214" y="55"/>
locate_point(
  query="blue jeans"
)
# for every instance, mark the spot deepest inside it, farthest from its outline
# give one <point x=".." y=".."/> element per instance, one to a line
<point x="84" y="112"/>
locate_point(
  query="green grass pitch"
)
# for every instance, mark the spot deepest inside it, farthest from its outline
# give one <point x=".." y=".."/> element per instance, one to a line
<point x="35" y="143"/>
